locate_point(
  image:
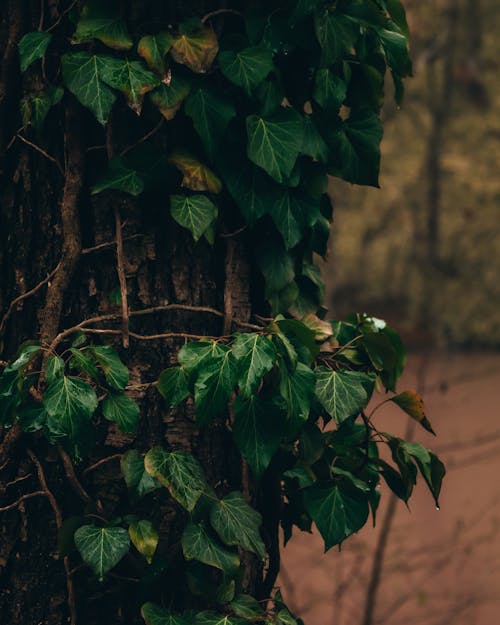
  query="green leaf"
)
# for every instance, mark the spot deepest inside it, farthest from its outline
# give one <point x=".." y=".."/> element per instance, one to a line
<point x="173" y="385"/>
<point x="82" y="75"/>
<point x="256" y="355"/>
<point x="337" y="512"/>
<point x="246" y="68"/>
<point x="155" y="615"/>
<point x="297" y="389"/>
<point x="313" y="144"/>
<point x="39" y="105"/>
<point x="120" y="177"/>
<point x="276" y="265"/>
<point x="168" y="98"/>
<point x="237" y="523"/>
<point x="32" y="47"/>
<point x="293" y="212"/>
<point x="31" y="416"/>
<point x="303" y="8"/>
<point x="195" y="212"/>
<point x="336" y="35"/>
<point x="431" y="468"/>
<point x="329" y="90"/>
<point x="213" y="387"/>
<point x="356" y="144"/>
<point x="214" y="618"/>
<point x="178" y="471"/>
<point x="70" y="404"/>
<point x="153" y="49"/>
<point x="258" y="430"/>
<point x="131" y="78"/>
<point x="196" y="47"/>
<point x="211" y="115"/>
<point x="413" y="405"/>
<point x="122" y="410"/>
<point x="197" y="544"/>
<point x="192" y="355"/>
<point x="274" y="143"/>
<point x="246" y="607"/>
<point x="85" y="364"/>
<point x="398" y="15"/>
<point x="115" y="372"/>
<point x="137" y="479"/>
<point x="343" y="393"/>
<point x="144" y="537"/>
<point x="396" y="50"/>
<point x="54" y="368"/>
<point x="103" y="21"/>
<point x="197" y="177"/>
<point x="101" y="547"/>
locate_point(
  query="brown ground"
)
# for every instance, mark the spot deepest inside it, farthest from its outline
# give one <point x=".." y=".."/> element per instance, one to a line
<point x="441" y="567"/>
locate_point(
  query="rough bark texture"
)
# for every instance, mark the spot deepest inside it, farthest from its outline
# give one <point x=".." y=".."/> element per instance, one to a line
<point x="50" y="221"/>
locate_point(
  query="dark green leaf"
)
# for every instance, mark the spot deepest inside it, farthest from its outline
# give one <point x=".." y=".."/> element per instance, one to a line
<point x="213" y="618"/>
<point x="39" y="105"/>
<point x="313" y="144"/>
<point x="337" y="512"/>
<point x="85" y="364"/>
<point x="274" y="143"/>
<point x="122" y="410"/>
<point x="329" y="90"/>
<point x="297" y="389"/>
<point x="32" y="47"/>
<point x="120" y="177"/>
<point x="237" y="523"/>
<point x="293" y="212"/>
<point x="256" y="355"/>
<point x="258" y="430"/>
<point x="192" y="355"/>
<point x="54" y="368"/>
<point x="138" y="480"/>
<point x="211" y="114"/>
<point x="103" y="21"/>
<point x="336" y="35"/>
<point x="213" y="387"/>
<point x="178" y="471"/>
<point x="246" y="607"/>
<point x="194" y="212"/>
<point x="246" y="68"/>
<point x="101" y="547"/>
<point x="115" y="372"/>
<point x="197" y="544"/>
<point x="343" y="393"/>
<point x="155" y="615"/>
<point x="168" y="98"/>
<point x="173" y="385"/>
<point x="131" y="78"/>
<point x="431" y="468"/>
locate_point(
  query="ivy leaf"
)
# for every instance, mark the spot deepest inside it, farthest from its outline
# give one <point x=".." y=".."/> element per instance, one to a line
<point x="120" y="177"/>
<point x="155" y="615"/>
<point x="82" y="75"/>
<point x="122" y="410"/>
<point x="413" y="405"/>
<point x="246" y="607"/>
<point x="256" y="355"/>
<point x="293" y="212"/>
<point x="274" y="143"/>
<point x="396" y="50"/>
<point x="313" y="144"/>
<point x="101" y="547"/>
<point x="192" y="355"/>
<point x="246" y="68"/>
<point x="103" y="21"/>
<point x="258" y="430"/>
<point x="70" y="404"/>
<point x="329" y="90"/>
<point x="195" y="47"/>
<point x="129" y="77"/>
<point x="137" y="479"/>
<point x="115" y="372"/>
<point x="85" y="364"/>
<point x="303" y="8"/>
<point x="144" y="537"/>
<point x="211" y="115"/>
<point x="54" y="368"/>
<point x="356" y="144"/>
<point x="343" y="393"/>
<point x="153" y="49"/>
<point x="39" y="104"/>
<point x="195" y="212"/>
<point x="431" y="468"/>
<point x="168" y="98"/>
<point x="297" y="389"/>
<point x="336" y="35"/>
<point x="276" y="265"/>
<point x="32" y="47"/>
<point x="173" y="385"/>
<point x="237" y="523"/>
<point x="197" y="177"/>
<point x="214" y="618"/>
<point x="197" y="544"/>
<point x="337" y="512"/>
<point x="398" y="15"/>
<point x="213" y="387"/>
<point x="178" y="471"/>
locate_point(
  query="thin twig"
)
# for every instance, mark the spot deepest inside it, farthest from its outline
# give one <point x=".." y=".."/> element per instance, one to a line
<point x="17" y="480"/>
<point x="103" y="246"/>
<point x="99" y="463"/>
<point x="42" y="152"/>
<point x="58" y="21"/>
<point x="69" y="469"/>
<point x="212" y="14"/>
<point x="228" y="293"/>
<point x="24" y="296"/>
<point x="228" y="235"/>
<point x="173" y="335"/>
<point x="38" y="493"/>
<point x="120" y="266"/>
<point x="144" y="138"/>
<point x="42" y="15"/>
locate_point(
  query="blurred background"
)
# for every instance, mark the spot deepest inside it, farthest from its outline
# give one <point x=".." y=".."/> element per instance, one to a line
<point x="424" y="254"/>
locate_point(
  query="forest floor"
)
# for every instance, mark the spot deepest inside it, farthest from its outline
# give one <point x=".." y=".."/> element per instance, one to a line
<point x="441" y="567"/>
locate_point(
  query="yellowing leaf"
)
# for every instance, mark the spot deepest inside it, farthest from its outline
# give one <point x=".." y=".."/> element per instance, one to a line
<point x="413" y="405"/>
<point x="153" y="49"/>
<point x="168" y="98"/>
<point x="196" y="48"/>
<point x="197" y="177"/>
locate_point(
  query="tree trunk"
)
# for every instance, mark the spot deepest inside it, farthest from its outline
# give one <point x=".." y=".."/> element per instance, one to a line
<point x="50" y="226"/>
